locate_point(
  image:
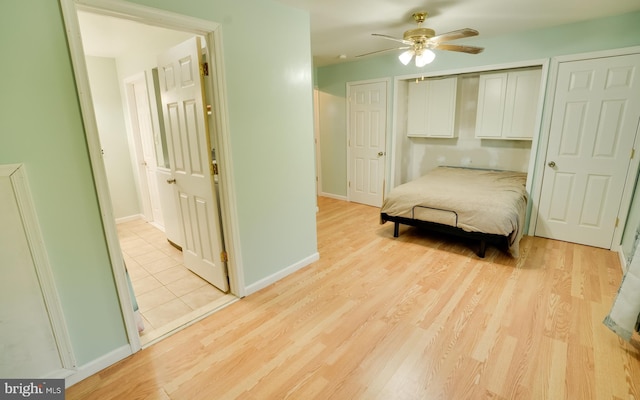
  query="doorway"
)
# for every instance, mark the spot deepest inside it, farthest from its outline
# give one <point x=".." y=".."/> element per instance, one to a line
<point x="167" y="293"/>
<point x="191" y="27"/>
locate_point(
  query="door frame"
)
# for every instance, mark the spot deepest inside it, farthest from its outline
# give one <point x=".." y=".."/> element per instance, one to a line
<point x="541" y="153"/>
<point x="316" y="137"/>
<point x="387" y="82"/>
<point x="216" y="86"/>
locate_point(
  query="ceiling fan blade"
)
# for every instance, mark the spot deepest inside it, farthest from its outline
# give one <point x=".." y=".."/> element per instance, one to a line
<point x="453" y="35"/>
<point x="460" y="48"/>
<point x="392" y="38"/>
<point x="382" y="51"/>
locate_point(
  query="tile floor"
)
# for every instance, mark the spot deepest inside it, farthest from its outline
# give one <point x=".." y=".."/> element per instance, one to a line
<point x="168" y="294"/>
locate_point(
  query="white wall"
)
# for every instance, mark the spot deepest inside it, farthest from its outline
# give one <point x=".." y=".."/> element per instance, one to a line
<point x="110" y="117"/>
<point x="275" y="201"/>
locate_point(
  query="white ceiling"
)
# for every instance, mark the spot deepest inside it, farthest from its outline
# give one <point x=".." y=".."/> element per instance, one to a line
<point x="104" y="36"/>
<point x="345" y="26"/>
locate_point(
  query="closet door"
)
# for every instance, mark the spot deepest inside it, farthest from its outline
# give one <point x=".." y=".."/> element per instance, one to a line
<point x="594" y="125"/>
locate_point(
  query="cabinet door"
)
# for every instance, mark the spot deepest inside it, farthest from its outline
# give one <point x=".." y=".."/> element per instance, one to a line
<point x="523" y="89"/>
<point x="441" y="107"/>
<point x="491" y="105"/>
<point x="416" y="112"/>
<point x="432" y="108"/>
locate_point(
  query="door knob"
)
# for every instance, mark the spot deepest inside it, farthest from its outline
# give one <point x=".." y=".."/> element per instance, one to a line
<point x="171" y="181"/>
<point x="380" y="154"/>
<point x="551" y="164"/>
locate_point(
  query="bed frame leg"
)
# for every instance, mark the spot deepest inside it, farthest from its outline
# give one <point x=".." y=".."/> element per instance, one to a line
<point x="483" y="247"/>
<point x="396" y="229"/>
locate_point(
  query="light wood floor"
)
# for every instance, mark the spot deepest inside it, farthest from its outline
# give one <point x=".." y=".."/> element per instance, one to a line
<point x="417" y="317"/>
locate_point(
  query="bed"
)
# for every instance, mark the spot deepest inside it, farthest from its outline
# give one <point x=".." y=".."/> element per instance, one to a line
<point x="485" y="205"/>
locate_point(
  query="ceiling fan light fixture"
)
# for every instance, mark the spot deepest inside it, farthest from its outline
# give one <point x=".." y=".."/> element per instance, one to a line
<point x="419" y="41"/>
<point x="424" y="58"/>
<point x="406" y="56"/>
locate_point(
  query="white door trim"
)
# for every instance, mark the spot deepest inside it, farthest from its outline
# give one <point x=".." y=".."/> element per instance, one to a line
<point x="541" y="153"/>
<point x="387" y="81"/>
<point x="316" y="136"/>
<point x="216" y="86"/>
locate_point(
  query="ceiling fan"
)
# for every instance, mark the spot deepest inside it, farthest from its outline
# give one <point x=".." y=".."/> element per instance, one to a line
<point x="420" y="41"/>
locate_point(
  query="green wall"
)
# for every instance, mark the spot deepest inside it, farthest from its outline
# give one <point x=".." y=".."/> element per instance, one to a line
<point x="269" y="72"/>
<point x="41" y="126"/>
<point x="601" y="34"/>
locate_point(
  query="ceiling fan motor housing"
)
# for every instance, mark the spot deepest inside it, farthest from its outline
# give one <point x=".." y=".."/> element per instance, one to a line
<point x="419" y="34"/>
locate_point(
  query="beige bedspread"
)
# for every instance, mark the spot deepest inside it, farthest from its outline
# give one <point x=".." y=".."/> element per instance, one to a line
<point x="484" y="201"/>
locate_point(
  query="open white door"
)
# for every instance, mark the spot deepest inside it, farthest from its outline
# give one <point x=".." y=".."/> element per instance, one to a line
<point x="367" y="142"/>
<point x="593" y="127"/>
<point x="189" y="145"/>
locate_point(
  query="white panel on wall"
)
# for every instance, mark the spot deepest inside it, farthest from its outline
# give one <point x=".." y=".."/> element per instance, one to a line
<point x="33" y="340"/>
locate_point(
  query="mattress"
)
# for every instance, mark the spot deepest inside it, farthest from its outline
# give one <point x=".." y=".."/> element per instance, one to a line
<point x="473" y="200"/>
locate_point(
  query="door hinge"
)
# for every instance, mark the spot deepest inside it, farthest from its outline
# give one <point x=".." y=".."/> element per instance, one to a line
<point x="214" y="168"/>
<point x="224" y="257"/>
<point x="617" y="222"/>
<point x="633" y="153"/>
<point x="204" y="69"/>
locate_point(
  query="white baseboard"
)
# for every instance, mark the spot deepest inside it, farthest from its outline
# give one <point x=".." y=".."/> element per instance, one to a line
<point x="97" y="365"/>
<point x="263" y="283"/>
<point x="129" y="218"/>
<point x="332" y="196"/>
<point x="623" y="260"/>
<point x="157" y="226"/>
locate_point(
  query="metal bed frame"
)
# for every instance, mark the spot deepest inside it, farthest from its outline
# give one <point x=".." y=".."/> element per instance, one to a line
<point x="482" y="238"/>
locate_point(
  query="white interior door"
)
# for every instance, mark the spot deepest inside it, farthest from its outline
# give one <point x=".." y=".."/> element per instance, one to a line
<point x="189" y="145"/>
<point x="145" y="140"/>
<point x="595" y="117"/>
<point x="367" y="136"/>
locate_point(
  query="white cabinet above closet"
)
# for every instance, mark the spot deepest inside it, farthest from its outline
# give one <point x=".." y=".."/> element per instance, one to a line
<point x="508" y="105"/>
<point x="432" y="108"/>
